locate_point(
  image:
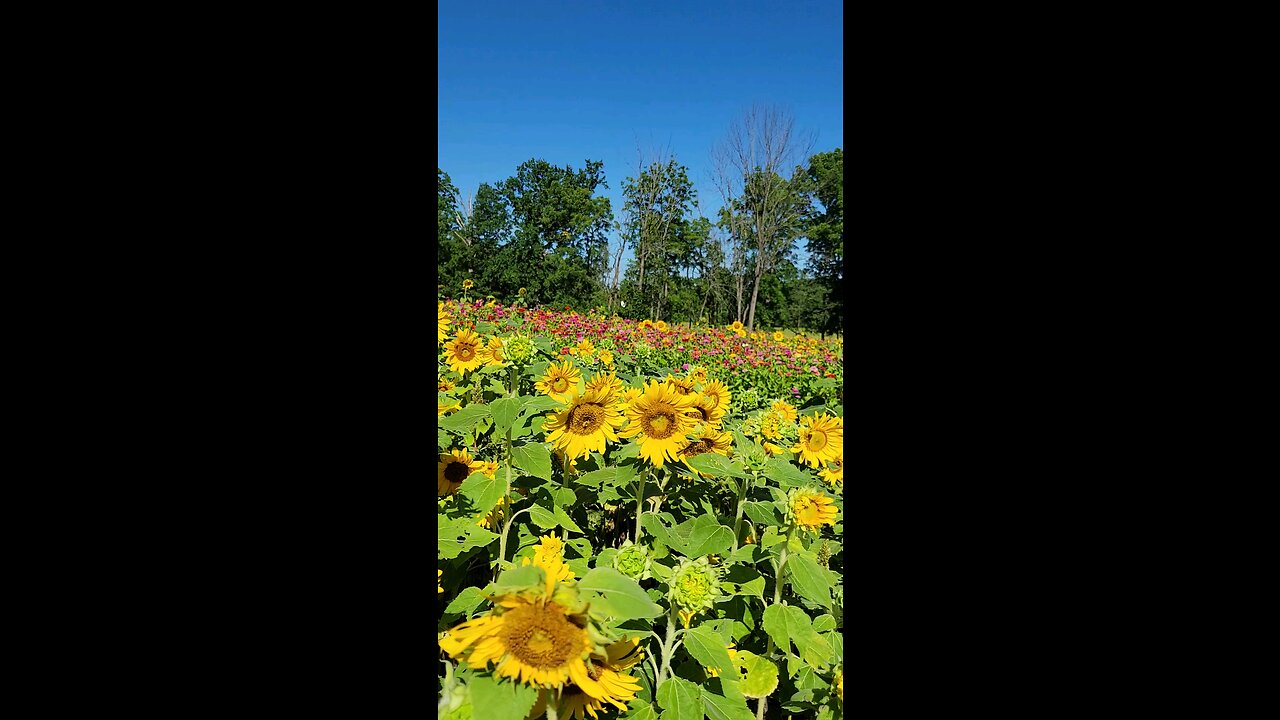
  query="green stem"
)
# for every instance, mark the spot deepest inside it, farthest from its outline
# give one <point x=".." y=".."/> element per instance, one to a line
<point x="737" y="523"/>
<point x="667" y="647"/>
<point x="640" y="504"/>
<point x="777" y="597"/>
<point x="553" y="704"/>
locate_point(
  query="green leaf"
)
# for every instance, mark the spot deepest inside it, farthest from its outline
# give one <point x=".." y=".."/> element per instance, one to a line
<point x="680" y="699"/>
<point x="617" y="595"/>
<point x="789" y="625"/>
<point x="758" y="676"/>
<point x="762" y="513"/>
<point x="484" y="491"/>
<point x="630" y="450"/>
<point x="640" y="710"/>
<point x="461" y="534"/>
<point x="723" y="700"/>
<point x="563" y="519"/>
<point x="823" y="623"/>
<point x="743" y="580"/>
<point x="519" y="578"/>
<point x="464" y="420"/>
<point x="810" y="579"/>
<point x="786" y="474"/>
<point x="716" y="465"/>
<point x="543" y="517"/>
<point x="564" y="497"/>
<point x="709" y="538"/>
<point x="504" y="413"/>
<point x="534" y="459"/>
<point x="709" y="649"/>
<point x="467" y="601"/>
<point x="493" y="700"/>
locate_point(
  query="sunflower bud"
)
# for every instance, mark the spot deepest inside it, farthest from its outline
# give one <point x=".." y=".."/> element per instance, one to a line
<point x="695" y="585"/>
<point x="519" y="349"/>
<point x="633" y="561"/>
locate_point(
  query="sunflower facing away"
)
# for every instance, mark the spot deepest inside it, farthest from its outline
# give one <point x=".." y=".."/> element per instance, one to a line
<point x="453" y="469"/>
<point x="821" y="439"/>
<point x="492" y="355"/>
<point x="442" y="330"/>
<point x="716" y="391"/>
<point x="463" y="352"/>
<point x="812" y="509"/>
<point x="585" y="424"/>
<point x="560" y="382"/>
<point x="658" y="418"/>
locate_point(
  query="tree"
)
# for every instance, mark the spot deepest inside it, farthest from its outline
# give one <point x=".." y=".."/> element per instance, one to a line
<point x="656" y="203"/>
<point x="825" y="232"/>
<point x="756" y="172"/>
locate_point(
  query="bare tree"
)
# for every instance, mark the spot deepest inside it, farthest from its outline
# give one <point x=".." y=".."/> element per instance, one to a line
<point x="756" y="169"/>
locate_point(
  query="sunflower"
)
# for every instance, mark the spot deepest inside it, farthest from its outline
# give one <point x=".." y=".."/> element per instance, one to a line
<point x="684" y="386"/>
<point x="821" y="439"/>
<point x="585" y="424"/>
<point x="443" y="408"/>
<point x="709" y="440"/>
<point x="698" y="375"/>
<point x="705" y="410"/>
<point x="442" y="330"/>
<point x="439" y="574"/>
<point x="738" y="328"/>
<point x="454" y="467"/>
<point x="463" y="352"/>
<point x="658" y="417"/>
<point x="772" y="449"/>
<point x="606" y="357"/>
<point x="584" y="349"/>
<point x="560" y="382"/>
<point x="498" y="515"/>
<point x="717" y="392"/>
<point x="812" y="509"/>
<point x="444" y="385"/>
<point x="840" y="685"/>
<point x="785" y="410"/>
<point x="467" y="284"/>
<point x="492" y="354"/>
<point x="533" y="640"/>
<point x="630" y="393"/>
<point x="834" y="475"/>
<point x="646" y="324"/>
<point x="660" y="326"/>
<point x="608" y="382"/>
<point x="778" y="336"/>
<point x="607" y="670"/>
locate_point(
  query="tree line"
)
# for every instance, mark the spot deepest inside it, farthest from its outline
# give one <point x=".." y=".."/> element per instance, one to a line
<point x="546" y="230"/>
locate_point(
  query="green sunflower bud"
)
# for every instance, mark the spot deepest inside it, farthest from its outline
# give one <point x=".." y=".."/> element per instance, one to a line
<point x="519" y="349"/>
<point x="695" y="585"/>
<point x="633" y="561"/>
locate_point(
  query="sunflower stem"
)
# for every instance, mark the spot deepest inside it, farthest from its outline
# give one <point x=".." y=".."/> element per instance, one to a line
<point x="553" y="706"/>
<point x="667" y="647"/>
<point x="640" y="503"/>
<point x="737" y="523"/>
<point x="777" y="597"/>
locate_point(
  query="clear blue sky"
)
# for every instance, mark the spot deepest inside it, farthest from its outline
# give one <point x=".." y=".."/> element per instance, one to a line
<point x="574" y="80"/>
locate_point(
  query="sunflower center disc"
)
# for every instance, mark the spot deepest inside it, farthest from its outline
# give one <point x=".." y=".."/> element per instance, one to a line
<point x="541" y="637"/>
<point x="695" y="449"/>
<point x="465" y="353"/>
<point x="586" y="419"/>
<point x="560" y="384"/>
<point x="456" y="472"/>
<point x="817" y="440"/>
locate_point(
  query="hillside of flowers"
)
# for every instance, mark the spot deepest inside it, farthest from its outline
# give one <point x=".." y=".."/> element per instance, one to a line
<point x="636" y="520"/>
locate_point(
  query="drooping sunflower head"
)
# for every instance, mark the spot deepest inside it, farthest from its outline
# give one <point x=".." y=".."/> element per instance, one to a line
<point x="609" y="684"/>
<point x="715" y="391"/>
<point x="442" y="329"/>
<point x="705" y="410"/>
<point x="821" y="439"/>
<point x="833" y="474"/>
<point x="454" y="467"/>
<point x="492" y="355"/>
<point x="785" y="410"/>
<point x="658" y="417"/>
<point x="583" y="426"/>
<point x="560" y="382"/>
<point x="708" y="440"/>
<point x="463" y="352"/>
<point x="695" y="585"/>
<point x="811" y="509"/>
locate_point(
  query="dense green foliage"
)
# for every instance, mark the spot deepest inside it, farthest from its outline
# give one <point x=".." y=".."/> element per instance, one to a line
<point x="546" y="229"/>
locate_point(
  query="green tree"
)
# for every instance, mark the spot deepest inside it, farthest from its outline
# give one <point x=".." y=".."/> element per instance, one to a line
<point x="824" y="229"/>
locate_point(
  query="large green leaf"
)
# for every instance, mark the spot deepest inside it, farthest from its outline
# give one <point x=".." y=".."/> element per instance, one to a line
<point x="543" y="517"/>
<point x="723" y="700"/>
<point x="504" y="411"/>
<point x="563" y="520"/>
<point x="534" y="459"/>
<point x="716" y="465"/>
<point x="758" y="676"/>
<point x="493" y="700"/>
<point x="680" y="699"/>
<point x="743" y="580"/>
<point x="519" y="578"/>
<point x="810" y="579"/>
<point x="786" y="474"/>
<point x="617" y="595"/>
<point x="456" y="536"/>
<point x="484" y="491"/>
<point x="709" y="649"/>
<point x="465" y="419"/>
<point x="789" y="625"/>
<point x="469" y="599"/>
<point x="709" y="538"/>
<point x="762" y="513"/>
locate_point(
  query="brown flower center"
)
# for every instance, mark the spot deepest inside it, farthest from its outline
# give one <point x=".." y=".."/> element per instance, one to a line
<point x="817" y="440"/>
<point x="541" y="636"/>
<point x="456" y="472"/>
<point x="696" y="448"/>
<point x="465" y="352"/>
<point x="659" y="425"/>
<point x="585" y="419"/>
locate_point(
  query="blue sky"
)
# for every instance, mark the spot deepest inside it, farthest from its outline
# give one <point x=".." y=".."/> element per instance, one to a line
<point x="570" y="81"/>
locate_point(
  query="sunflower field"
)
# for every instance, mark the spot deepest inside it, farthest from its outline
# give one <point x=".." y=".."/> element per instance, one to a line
<point x="636" y="520"/>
